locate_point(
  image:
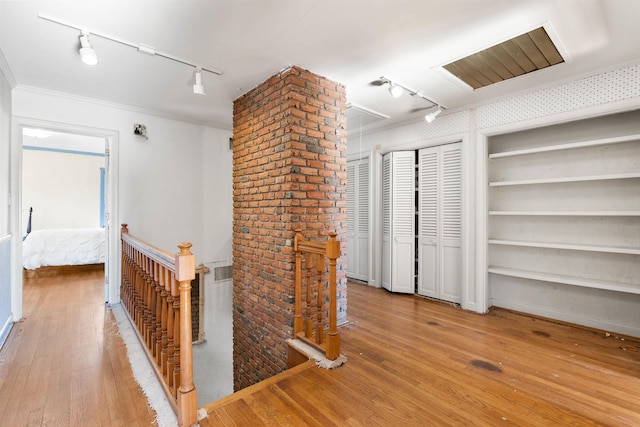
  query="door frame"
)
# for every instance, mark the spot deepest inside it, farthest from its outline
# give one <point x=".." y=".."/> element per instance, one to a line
<point x="112" y="273"/>
<point x="473" y="298"/>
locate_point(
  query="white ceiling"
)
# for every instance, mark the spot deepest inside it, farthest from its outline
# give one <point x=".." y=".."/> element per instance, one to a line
<point x="353" y="42"/>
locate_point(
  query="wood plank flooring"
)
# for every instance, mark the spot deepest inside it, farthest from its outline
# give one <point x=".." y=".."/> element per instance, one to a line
<point x="414" y="362"/>
<point x="65" y="363"/>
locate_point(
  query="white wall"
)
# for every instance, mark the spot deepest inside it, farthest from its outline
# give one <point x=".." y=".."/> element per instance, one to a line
<point x="62" y="188"/>
<point x="604" y="93"/>
<point x="6" y="239"/>
<point x="213" y="359"/>
<point x="160" y="180"/>
<point x="174" y="187"/>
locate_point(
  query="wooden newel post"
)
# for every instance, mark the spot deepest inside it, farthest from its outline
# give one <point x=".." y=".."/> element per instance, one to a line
<point x="297" y="317"/>
<point x="333" y="339"/>
<point x="187" y="397"/>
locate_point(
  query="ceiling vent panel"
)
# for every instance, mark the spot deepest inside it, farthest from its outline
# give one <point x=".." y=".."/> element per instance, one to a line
<point x="520" y="55"/>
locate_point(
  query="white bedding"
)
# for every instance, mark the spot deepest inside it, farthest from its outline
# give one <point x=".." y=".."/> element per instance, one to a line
<point x="63" y="247"/>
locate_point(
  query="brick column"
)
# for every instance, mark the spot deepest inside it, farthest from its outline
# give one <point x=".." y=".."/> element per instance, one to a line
<point x="289" y="171"/>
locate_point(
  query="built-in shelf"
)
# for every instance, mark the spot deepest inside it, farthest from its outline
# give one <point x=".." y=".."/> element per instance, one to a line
<point x="566" y="179"/>
<point x="572" y="247"/>
<point x="567" y="146"/>
<point x="567" y="280"/>
<point x="565" y="213"/>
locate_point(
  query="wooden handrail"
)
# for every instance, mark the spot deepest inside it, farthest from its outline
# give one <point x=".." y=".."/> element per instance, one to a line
<point x="314" y="254"/>
<point x="156" y="294"/>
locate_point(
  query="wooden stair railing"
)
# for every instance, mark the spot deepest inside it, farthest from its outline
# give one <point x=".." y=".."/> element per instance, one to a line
<point x="310" y="328"/>
<point x="155" y="291"/>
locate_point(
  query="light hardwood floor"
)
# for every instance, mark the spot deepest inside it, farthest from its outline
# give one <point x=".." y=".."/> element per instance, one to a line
<point x="414" y="362"/>
<point x="65" y="363"/>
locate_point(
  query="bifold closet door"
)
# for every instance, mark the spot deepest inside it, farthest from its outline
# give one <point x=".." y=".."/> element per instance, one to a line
<point x="358" y="219"/>
<point x="440" y="222"/>
<point x="398" y="221"/>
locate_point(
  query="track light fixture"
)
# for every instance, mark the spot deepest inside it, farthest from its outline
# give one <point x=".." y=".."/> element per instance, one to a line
<point x="396" y="90"/>
<point x="87" y="53"/>
<point x="430" y="117"/>
<point x="89" y="56"/>
<point x="198" y="87"/>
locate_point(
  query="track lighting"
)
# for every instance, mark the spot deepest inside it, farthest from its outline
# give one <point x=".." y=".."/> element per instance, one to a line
<point x="89" y="56"/>
<point x="430" y="117"/>
<point x="198" y="87"/>
<point x="87" y="53"/>
<point x="395" y="90"/>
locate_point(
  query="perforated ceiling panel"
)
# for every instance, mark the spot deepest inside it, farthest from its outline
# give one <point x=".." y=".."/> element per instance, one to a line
<point x="603" y="88"/>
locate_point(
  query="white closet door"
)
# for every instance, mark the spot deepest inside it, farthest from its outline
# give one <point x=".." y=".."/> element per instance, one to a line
<point x="451" y="239"/>
<point x="440" y="213"/>
<point x="428" y="221"/>
<point x="386" y="221"/>
<point x="351" y="218"/>
<point x="398" y="196"/>
<point x="362" y="225"/>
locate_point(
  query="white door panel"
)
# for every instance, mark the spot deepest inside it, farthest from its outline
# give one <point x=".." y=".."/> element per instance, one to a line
<point x="440" y="221"/>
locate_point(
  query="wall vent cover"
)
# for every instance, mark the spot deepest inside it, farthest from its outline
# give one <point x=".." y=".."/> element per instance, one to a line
<point x="222" y="273"/>
<point x="520" y="55"/>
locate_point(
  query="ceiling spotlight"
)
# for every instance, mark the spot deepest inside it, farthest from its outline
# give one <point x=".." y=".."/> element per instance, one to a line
<point x="87" y="53"/>
<point x="430" y="117"/>
<point x="198" y="87"/>
<point x="395" y="90"/>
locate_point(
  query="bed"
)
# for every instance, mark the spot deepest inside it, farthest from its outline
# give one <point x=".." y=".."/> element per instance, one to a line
<point x="57" y="247"/>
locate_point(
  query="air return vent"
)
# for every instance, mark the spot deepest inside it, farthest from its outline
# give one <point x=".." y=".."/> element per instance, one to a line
<point x="223" y="273"/>
<point x="520" y="55"/>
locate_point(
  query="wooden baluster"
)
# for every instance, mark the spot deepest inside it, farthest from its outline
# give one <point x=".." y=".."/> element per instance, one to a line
<point x="171" y="320"/>
<point x="176" y="344"/>
<point x="187" y="396"/>
<point x="154" y="309"/>
<point x="145" y="300"/>
<point x="320" y="299"/>
<point x="158" y="331"/>
<point x="308" y="319"/>
<point x="297" y="316"/>
<point x="333" y="339"/>
<point x="137" y="310"/>
<point x="166" y="287"/>
<point x="149" y="308"/>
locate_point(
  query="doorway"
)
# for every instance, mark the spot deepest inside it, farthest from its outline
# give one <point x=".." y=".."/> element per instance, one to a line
<point x="107" y="144"/>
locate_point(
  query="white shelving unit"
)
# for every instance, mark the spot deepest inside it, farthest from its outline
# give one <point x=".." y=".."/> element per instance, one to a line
<point x="564" y="215"/>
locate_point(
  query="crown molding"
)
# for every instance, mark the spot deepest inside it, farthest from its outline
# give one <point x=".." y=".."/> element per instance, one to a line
<point x="5" y="69"/>
<point x="103" y="103"/>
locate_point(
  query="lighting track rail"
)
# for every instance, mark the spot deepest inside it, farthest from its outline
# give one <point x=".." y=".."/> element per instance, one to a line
<point x="139" y="47"/>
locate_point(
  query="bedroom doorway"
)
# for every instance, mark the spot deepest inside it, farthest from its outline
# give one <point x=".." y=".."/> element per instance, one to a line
<point x="88" y="205"/>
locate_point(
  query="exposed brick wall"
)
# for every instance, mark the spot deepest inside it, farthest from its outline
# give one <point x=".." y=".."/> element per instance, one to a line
<point x="289" y="171"/>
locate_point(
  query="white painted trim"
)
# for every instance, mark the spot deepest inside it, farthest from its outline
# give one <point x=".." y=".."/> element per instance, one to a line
<point x="15" y="203"/>
<point x="482" y="138"/>
<point x="6" y="328"/>
<point x="417" y="145"/>
<point x="5" y="69"/>
<point x="124" y="107"/>
<point x="566" y="116"/>
<point x="478" y="302"/>
<point x="112" y="138"/>
<point x="566" y="317"/>
<point x="481" y="223"/>
<point x="375" y="221"/>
